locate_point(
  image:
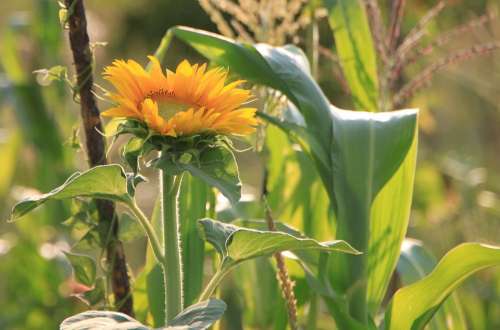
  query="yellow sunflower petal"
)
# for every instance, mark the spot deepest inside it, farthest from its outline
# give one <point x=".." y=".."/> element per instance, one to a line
<point x="184" y="68"/>
<point x="151" y="117"/>
<point x="119" y="112"/>
<point x="192" y="99"/>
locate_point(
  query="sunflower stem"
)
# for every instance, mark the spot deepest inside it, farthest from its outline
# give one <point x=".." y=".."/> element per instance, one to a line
<point x="172" y="262"/>
<point x="148" y="229"/>
<point x="214" y="282"/>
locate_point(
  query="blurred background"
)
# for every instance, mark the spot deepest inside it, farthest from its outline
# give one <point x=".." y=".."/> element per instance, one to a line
<point x="457" y="188"/>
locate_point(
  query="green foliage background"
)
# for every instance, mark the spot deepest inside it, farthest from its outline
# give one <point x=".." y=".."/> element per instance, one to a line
<point x="457" y="186"/>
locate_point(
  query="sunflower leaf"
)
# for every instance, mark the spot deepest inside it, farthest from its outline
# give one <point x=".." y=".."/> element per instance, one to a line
<point x="240" y="244"/>
<point x="196" y="317"/>
<point x="105" y="182"/>
<point x="199" y="316"/>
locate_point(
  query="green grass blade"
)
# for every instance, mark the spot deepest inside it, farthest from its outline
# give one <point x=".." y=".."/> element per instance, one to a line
<point x="106" y="181"/>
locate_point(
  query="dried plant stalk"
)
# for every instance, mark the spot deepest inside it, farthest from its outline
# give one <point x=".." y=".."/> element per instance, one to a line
<point x="270" y="21"/>
<point x="425" y="77"/>
<point x="283" y="278"/>
<point x="217" y="18"/>
<point x="397" y="13"/>
<point x="438" y="42"/>
<point x="416" y="34"/>
<point x="95" y="147"/>
<point x="449" y="36"/>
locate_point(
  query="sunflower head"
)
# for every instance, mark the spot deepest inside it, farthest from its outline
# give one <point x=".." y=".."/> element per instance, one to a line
<point x="190" y="101"/>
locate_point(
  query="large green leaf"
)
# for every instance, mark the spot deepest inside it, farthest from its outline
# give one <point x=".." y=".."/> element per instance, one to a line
<point x="390" y="214"/>
<point x="196" y="317"/>
<point x="100" y="320"/>
<point x="239" y="244"/>
<point x="106" y="182"/>
<point x="413" y="306"/>
<point x="371" y="162"/>
<point x="415" y="262"/>
<point x="364" y="159"/>
<point x="354" y="46"/>
<point x="199" y="316"/>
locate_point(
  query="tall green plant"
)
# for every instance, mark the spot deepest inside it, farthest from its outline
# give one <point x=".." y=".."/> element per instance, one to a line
<point x="366" y="162"/>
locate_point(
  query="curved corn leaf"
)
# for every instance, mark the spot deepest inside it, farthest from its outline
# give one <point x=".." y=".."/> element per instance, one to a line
<point x="368" y="149"/>
<point x="390" y="213"/>
<point x="106" y="182"/>
<point x="415" y="262"/>
<point x="413" y="306"/>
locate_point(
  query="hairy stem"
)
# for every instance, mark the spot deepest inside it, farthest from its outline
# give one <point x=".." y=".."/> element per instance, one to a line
<point x="149" y="230"/>
<point x="215" y="281"/>
<point x="172" y="263"/>
<point x="95" y="147"/>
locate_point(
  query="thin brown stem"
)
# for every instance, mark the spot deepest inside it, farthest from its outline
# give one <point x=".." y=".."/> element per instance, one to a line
<point x="397" y="13"/>
<point x="446" y="37"/>
<point x="410" y="42"/>
<point x="418" y="32"/>
<point x="96" y="148"/>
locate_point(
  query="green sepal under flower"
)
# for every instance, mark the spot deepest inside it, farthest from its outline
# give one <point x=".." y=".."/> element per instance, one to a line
<point x="206" y="155"/>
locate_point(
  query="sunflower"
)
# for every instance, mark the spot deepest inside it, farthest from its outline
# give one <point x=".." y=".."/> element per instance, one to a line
<point x="189" y="101"/>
